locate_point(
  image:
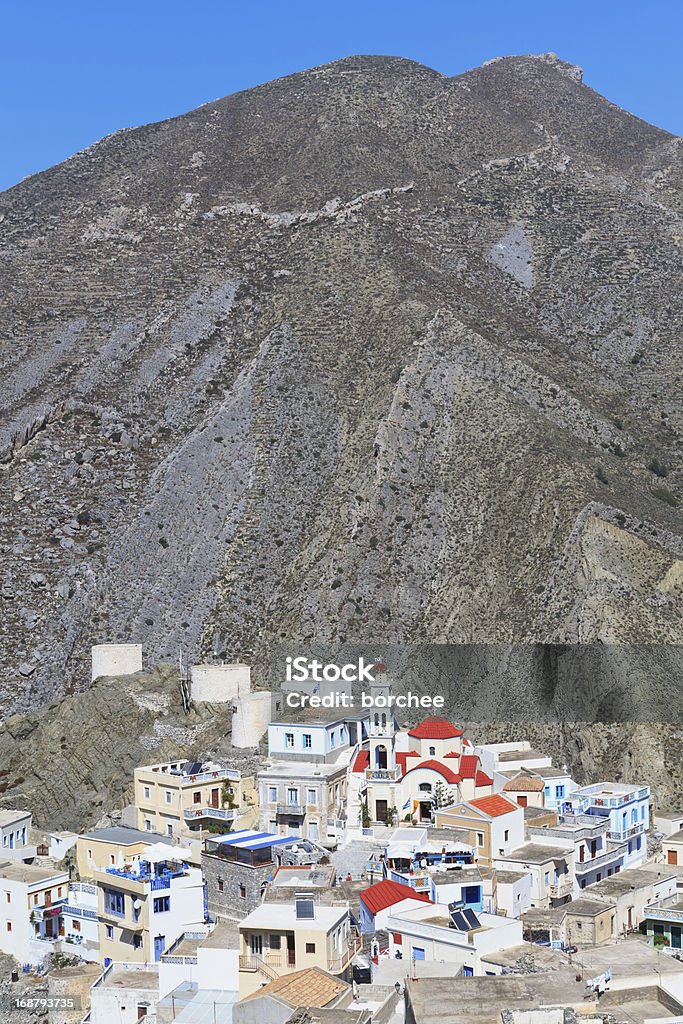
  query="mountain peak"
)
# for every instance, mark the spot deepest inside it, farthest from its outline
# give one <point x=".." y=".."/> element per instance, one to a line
<point x="572" y="71"/>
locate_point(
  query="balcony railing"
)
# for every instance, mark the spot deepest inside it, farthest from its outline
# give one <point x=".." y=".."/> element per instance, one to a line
<point x="55" y="908"/>
<point x="296" y="809"/>
<point x="220" y="813"/>
<point x="258" y="963"/>
<point x="627" y="833"/>
<point x="582" y="867"/>
<point x="382" y="774"/>
<point x="337" y="965"/>
<point x="561" y="889"/>
<point x="89" y="915"/>
<point x="419" y="880"/>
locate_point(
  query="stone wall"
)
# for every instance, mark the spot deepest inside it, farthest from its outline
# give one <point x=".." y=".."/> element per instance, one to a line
<point x="229" y="903"/>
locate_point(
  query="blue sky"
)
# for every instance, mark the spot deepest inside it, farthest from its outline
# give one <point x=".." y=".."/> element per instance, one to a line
<point x="72" y="72"/>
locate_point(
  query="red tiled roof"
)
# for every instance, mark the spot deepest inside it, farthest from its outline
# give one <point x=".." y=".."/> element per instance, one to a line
<point x="466" y="743"/>
<point x="402" y="757"/>
<point x="494" y="805"/>
<point x="451" y="753"/>
<point x="469" y="766"/>
<point x="435" y="728"/>
<point x="362" y="761"/>
<point x="482" y="779"/>
<point x="386" y="893"/>
<point x="435" y="766"/>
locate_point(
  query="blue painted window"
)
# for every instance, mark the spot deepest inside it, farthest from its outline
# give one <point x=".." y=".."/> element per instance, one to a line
<point x="471" y="894"/>
<point x="162" y="904"/>
<point x="115" y="903"/>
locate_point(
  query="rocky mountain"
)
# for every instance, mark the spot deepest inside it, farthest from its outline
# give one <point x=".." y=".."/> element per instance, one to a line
<point x="72" y="760"/>
<point x="366" y="352"/>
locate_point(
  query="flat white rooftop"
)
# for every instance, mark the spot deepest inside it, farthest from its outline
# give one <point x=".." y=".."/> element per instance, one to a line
<point x="275" y="916"/>
<point x="8" y="816"/>
<point x="32" y="874"/>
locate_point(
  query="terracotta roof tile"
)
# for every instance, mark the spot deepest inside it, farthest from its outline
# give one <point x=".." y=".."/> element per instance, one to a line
<point x="435" y="728"/>
<point x="310" y="987"/>
<point x="469" y="766"/>
<point x="494" y="805"/>
<point x="362" y="761"/>
<point x="524" y="784"/>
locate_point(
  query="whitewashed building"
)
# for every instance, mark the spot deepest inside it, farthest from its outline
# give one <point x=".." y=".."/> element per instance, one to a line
<point x="32" y="901"/>
<point x="15" y="828"/>
<point x="429" y="933"/>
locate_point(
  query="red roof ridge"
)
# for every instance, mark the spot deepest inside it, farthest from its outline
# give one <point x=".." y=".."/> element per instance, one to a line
<point x="386" y="893"/>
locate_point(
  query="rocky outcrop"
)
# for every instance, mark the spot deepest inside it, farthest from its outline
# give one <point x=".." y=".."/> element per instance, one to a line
<point x="73" y="760"/>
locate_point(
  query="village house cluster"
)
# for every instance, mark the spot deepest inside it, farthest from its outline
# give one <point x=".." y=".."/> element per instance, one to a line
<point x="360" y="867"/>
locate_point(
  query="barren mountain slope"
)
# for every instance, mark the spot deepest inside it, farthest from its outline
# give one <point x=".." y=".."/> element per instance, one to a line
<point x="365" y="352"/>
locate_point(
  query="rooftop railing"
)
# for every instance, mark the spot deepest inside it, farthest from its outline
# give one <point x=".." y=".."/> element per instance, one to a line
<point x="159" y="880"/>
<point x="598" y="796"/>
<point x="216" y="775"/>
<point x="83" y="887"/>
<point x="666" y="910"/>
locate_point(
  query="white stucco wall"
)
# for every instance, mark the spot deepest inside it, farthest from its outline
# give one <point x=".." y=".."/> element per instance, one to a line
<point x="218" y="684"/>
<point x="116" y="659"/>
<point x="250" y="720"/>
